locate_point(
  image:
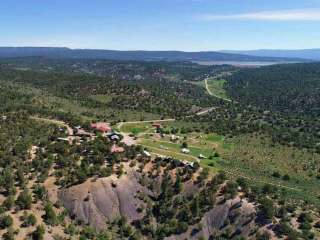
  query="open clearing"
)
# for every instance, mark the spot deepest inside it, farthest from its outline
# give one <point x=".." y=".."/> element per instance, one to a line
<point x="247" y="157"/>
<point x="168" y="144"/>
<point x="215" y="88"/>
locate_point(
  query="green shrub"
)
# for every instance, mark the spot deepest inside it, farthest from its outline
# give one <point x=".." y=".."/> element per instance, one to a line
<point x="6" y="221"/>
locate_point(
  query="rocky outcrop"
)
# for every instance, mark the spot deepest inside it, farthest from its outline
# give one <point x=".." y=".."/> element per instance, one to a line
<point x="95" y="202"/>
<point x="236" y="214"/>
<point x="106" y="199"/>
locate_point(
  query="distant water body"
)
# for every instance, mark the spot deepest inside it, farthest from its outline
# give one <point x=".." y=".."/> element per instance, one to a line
<point x="240" y="63"/>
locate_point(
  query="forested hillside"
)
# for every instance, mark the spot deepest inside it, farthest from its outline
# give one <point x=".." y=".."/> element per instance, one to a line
<point x="291" y="89"/>
<point x="283" y="101"/>
<point x="156" y="95"/>
<point x="200" y="168"/>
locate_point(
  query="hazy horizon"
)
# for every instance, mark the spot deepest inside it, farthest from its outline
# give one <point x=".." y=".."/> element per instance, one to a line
<point x="184" y="25"/>
<point x="209" y="50"/>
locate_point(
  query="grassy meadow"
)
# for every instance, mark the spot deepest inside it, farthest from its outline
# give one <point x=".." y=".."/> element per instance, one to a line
<point x="216" y="88"/>
<point x="289" y="168"/>
<point x="252" y="157"/>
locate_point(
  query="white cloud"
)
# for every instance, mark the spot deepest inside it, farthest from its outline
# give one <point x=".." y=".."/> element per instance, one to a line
<point x="283" y="15"/>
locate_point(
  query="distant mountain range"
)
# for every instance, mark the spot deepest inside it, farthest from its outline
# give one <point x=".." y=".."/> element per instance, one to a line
<point x="53" y="52"/>
<point x="312" y="54"/>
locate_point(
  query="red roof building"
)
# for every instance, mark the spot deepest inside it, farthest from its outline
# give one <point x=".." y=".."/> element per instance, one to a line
<point x="101" y="126"/>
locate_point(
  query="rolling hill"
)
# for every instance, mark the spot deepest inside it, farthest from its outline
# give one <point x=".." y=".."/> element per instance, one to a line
<point x="53" y="52"/>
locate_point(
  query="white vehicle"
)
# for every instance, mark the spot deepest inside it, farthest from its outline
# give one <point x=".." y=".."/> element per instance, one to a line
<point x="185" y="150"/>
<point x="146" y="153"/>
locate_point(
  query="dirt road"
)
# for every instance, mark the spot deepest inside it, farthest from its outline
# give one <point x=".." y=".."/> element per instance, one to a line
<point x="57" y="122"/>
<point x="211" y="93"/>
<point x="148" y="121"/>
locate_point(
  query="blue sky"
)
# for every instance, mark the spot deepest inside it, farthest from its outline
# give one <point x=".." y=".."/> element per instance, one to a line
<point x="190" y="25"/>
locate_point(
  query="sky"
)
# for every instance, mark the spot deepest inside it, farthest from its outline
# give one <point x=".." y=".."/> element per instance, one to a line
<point x="188" y="25"/>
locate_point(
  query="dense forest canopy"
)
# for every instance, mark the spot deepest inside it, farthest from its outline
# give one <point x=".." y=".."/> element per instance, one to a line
<point x="288" y="88"/>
